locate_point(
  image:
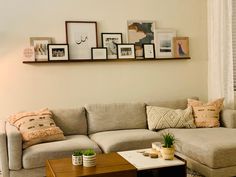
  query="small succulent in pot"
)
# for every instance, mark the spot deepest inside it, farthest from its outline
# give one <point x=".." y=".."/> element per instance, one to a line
<point x="89" y="158"/>
<point x="77" y="157"/>
<point x="167" y="150"/>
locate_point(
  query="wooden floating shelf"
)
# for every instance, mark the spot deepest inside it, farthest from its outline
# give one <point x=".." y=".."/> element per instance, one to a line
<point x="104" y="60"/>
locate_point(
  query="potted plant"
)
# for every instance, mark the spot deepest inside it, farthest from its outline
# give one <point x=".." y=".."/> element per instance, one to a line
<point x="77" y="158"/>
<point x="167" y="150"/>
<point x="89" y="158"/>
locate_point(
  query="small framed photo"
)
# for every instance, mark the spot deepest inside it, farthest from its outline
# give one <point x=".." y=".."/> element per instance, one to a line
<point x="40" y="47"/>
<point x="181" y="47"/>
<point x="164" y="43"/>
<point x="141" y="32"/>
<point x="110" y="40"/>
<point x="126" y="51"/>
<point x="99" y="53"/>
<point x="58" y="52"/>
<point x="149" y="51"/>
<point x="81" y="37"/>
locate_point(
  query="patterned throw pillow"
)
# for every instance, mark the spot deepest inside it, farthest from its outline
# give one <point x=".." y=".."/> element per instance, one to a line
<point x="36" y="127"/>
<point x="160" y="118"/>
<point x="206" y="114"/>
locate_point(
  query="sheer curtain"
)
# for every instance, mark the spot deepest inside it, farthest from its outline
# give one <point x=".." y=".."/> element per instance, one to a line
<point x="220" y="56"/>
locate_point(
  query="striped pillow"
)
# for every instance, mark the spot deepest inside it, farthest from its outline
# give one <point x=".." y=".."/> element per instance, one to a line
<point x="206" y="114"/>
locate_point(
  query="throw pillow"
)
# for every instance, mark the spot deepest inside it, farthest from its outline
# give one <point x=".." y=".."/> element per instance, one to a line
<point x="36" y="127"/>
<point x="160" y="118"/>
<point x="206" y="114"/>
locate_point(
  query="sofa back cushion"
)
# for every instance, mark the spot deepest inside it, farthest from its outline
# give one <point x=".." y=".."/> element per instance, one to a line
<point x="105" y="117"/>
<point x="71" y="121"/>
<point x="176" y="104"/>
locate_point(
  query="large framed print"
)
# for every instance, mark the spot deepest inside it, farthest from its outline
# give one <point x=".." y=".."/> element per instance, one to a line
<point x="139" y="33"/>
<point x="164" y="43"/>
<point x="81" y="37"/>
<point x="40" y="47"/>
<point x="58" y="52"/>
<point x="110" y="41"/>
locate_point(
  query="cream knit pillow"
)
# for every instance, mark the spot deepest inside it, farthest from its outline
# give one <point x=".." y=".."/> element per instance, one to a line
<point x="206" y="114"/>
<point x="160" y="118"/>
<point x="36" y="127"/>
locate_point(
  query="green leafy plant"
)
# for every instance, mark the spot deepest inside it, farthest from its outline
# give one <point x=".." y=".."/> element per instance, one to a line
<point x="89" y="152"/>
<point x="169" y="140"/>
<point x="78" y="153"/>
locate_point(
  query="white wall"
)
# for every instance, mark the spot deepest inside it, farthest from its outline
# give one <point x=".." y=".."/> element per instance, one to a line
<point x="29" y="87"/>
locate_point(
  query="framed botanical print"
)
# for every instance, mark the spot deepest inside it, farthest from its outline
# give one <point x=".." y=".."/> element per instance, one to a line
<point x="139" y="33"/>
<point x="81" y="37"/>
<point x="110" y="41"/>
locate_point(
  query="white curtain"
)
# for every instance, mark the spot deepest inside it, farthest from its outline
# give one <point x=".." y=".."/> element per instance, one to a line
<point x="220" y="55"/>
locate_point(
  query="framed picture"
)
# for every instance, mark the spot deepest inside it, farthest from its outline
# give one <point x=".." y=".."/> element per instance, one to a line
<point x="29" y="54"/>
<point x="164" y="43"/>
<point x="40" y="47"/>
<point x="110" y="40"/>
<point x="181" y="47"/>
<point x="81" y="37"/>
<point x="99" y="53"/>
<point x="126" y="51"/>
<point x="139" y="33"/>
<point x="149" y="51"/>
<point x="58" y="52"/>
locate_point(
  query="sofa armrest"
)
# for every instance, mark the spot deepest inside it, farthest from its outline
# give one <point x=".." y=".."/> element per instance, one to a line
<point x="14" y="143"/>
<point x="228" y="118"/>
<point x="3" y="149"/>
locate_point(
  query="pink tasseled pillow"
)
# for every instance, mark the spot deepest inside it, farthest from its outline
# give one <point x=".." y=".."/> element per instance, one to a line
<point x="36" y="127"/>
<point x="206" y="114"/>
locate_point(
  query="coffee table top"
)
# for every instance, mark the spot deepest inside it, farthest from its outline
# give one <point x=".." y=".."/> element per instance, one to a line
<point x="105" y="164"/>
<point x="142" y="162"/>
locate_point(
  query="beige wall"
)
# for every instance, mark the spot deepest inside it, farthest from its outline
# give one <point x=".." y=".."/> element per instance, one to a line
<point x="29" y="87"/>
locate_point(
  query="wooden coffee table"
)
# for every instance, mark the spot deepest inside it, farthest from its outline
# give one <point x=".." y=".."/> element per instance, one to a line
<point x="108" y="165"/>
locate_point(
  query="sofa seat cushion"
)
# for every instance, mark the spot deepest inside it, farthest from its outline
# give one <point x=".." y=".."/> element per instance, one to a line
<point x="36" y="156"/>
<point x="213" y="147"/>
<point x="121" y="140"/>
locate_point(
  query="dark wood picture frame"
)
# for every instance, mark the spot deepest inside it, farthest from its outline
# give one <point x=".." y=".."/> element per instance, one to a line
<point x="111" y="45"/>
<point x="64" y="49"/>
<point x="98" y="58"/>
<point x="128" y="56"/>
<point x="146" y="52"/>
<point x="78" y="33"/>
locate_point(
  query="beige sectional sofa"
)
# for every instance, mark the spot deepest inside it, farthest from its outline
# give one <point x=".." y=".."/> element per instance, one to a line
<point x="117" y="127"/>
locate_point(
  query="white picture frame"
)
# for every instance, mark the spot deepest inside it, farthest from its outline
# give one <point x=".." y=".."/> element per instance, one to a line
<point x="81" y="37"/>
<point x="164" y="43"/>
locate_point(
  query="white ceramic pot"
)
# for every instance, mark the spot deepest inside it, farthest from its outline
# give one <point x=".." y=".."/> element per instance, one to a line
<point x="168" y="153"/>
<point x="89" y="161"/>
<point x="77" y="160"/>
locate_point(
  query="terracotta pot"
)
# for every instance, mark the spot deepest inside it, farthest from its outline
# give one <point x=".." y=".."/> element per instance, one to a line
<point x="168" y="153"/>
<point x="77" y="160"/>
<point x="89" y="161"/>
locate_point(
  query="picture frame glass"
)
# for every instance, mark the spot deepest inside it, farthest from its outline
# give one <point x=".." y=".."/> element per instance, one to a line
<point x="126" y="51"/>
<point x="149" y="50"/>
<point x="58" y="52"/>
<point x="164" y="44"/>
<point x="99" y="53"/>
<point x="81" y="37"/>
<point x="110" y="41"/>
<point x="139" y="33"/>
<point x="40" y="47"/>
